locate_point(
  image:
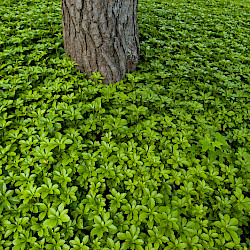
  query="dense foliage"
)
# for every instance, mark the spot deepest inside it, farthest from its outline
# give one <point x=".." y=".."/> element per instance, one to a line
<point x="157" y="161"/>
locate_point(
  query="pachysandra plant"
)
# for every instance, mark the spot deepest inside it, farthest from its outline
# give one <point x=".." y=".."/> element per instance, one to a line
<point x="159" y="160"/>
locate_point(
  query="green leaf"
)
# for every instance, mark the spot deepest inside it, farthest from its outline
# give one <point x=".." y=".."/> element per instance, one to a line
<point x="68" y="141"/>
<point x="50" y="223"/>
<point x="218" y="224"/>
<point x="64" y="218"/>
<point x="143" y="216"/>
<point x="112" y="227"/>
<point x="233" y="222"/>
<point x="227" y="236"/>
<point x="106" y="216"/>
<point x="195" y="239"/>
<point x="122" y="236"/>
<point x="97" y="231"/>
<point x="110" y="243"/>
<point x="133" y="230"/>
<point x="234" y="236"/>
<point x="230" y="244"/>
<point x="97" y="219"/>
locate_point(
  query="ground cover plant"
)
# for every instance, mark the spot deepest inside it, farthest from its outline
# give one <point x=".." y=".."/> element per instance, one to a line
<point x="159" y="160"/>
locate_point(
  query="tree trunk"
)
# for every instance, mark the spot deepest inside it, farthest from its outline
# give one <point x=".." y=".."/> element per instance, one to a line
<point x="102" y="36"/>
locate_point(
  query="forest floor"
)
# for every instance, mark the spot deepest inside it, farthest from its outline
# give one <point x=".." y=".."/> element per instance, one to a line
<point x="159" y="160"/>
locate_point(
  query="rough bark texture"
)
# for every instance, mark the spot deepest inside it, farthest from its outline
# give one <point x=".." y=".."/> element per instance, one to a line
<point x="102" y="35"/>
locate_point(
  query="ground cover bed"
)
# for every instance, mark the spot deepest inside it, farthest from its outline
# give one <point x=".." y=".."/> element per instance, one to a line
<point x="159" y="160"/>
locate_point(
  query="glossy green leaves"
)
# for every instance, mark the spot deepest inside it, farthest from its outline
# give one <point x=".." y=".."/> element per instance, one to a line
<point x="159" y="160"/>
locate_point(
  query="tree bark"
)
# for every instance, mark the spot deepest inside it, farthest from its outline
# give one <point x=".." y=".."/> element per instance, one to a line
<point x="102" y="36"/>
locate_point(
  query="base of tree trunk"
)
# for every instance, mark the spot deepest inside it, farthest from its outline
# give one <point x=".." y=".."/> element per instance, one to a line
<point x="102" y="36"/>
